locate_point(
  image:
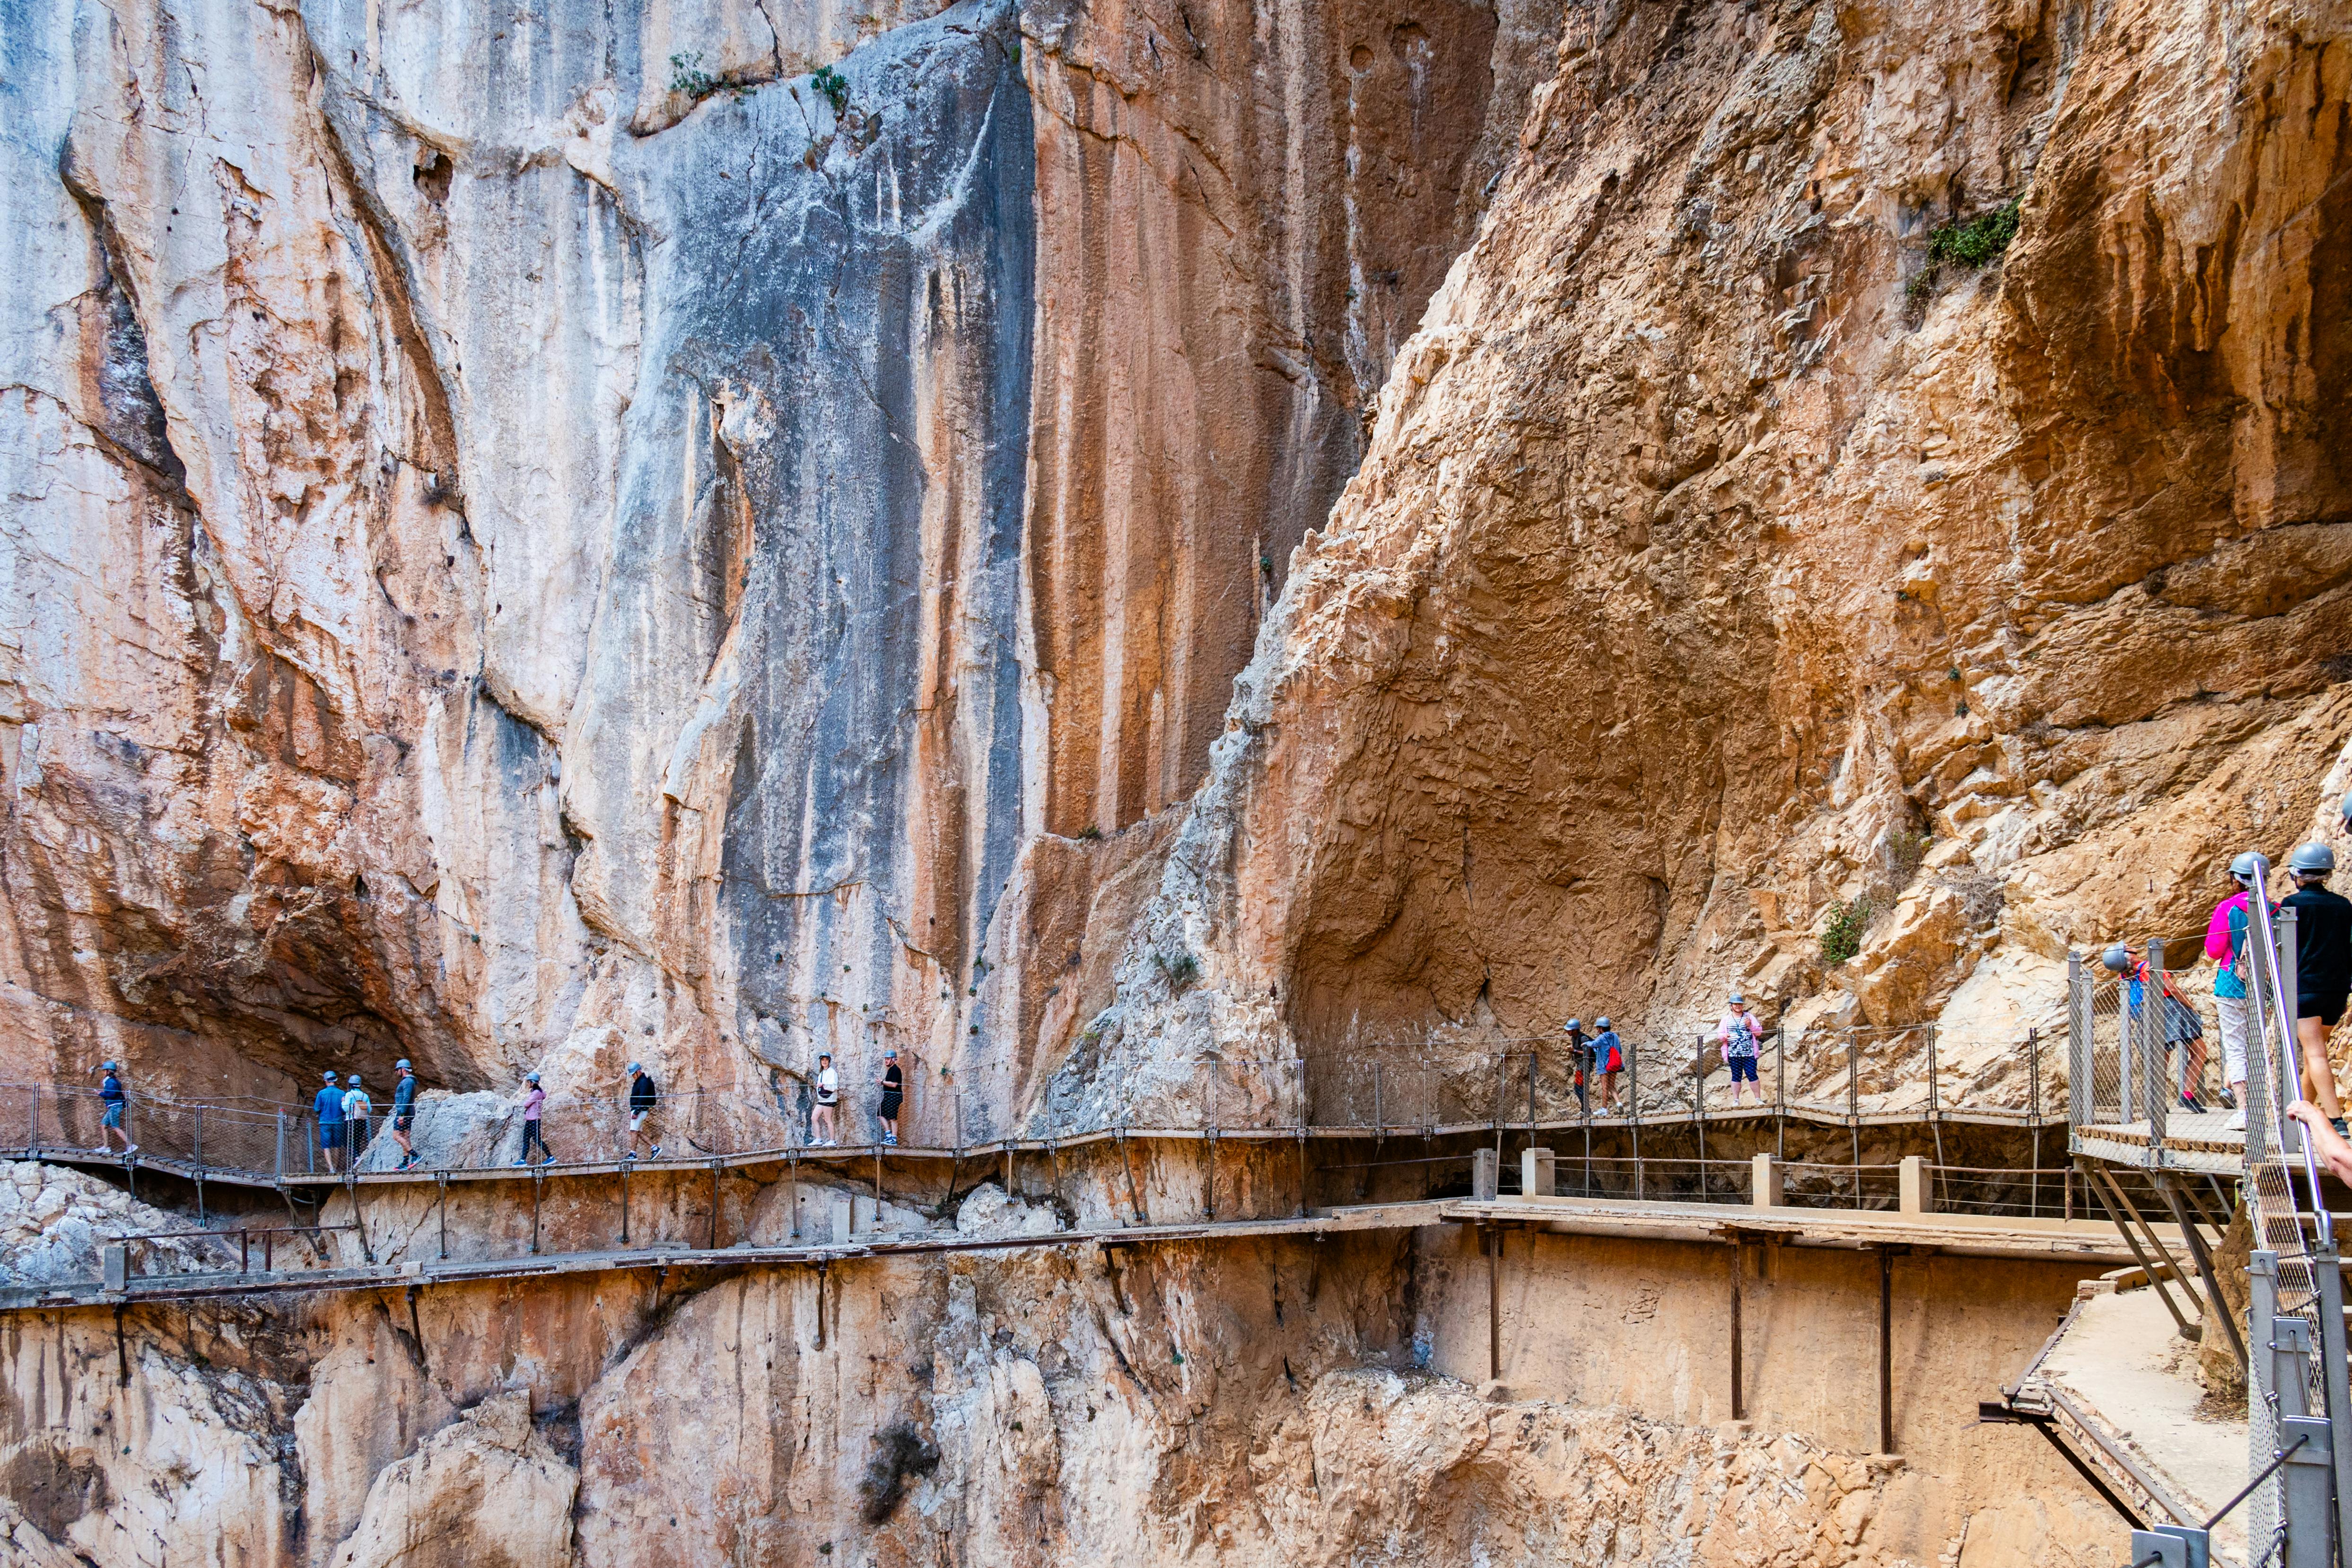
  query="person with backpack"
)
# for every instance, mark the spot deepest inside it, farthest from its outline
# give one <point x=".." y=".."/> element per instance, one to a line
<point x="113" y="1104"/>
<point x="828" y="1095"/>
<point x="643" y="1097"/>
<point x="1741" y="1036"/>
<point x="327" y="1105"/>
<point x="2180" y="1025"/>
<point x="2323" y="970"/>
<point x="403" y="1113"/>
<point x="1608" y="1057"/>
<point x="1579" y="1060"/>
<point x="357" y="1113"/>
<point x="534" y="1134"/>
<point x="2225" y="945"/>
<point x="894" y="1095"/>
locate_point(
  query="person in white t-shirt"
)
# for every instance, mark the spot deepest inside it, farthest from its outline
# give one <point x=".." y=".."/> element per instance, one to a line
<point x="828" y="1095"/>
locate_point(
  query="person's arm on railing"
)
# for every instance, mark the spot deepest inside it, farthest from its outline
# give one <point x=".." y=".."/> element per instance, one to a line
<point x="2333" y="1151"/>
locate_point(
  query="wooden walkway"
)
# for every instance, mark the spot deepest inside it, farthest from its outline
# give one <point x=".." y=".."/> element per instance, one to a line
<point x="1963" y="1235"/>
<point x="1797" y="1113"/>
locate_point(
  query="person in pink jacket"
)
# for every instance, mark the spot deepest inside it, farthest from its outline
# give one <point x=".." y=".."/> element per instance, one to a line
<point x="2225" y="945"/>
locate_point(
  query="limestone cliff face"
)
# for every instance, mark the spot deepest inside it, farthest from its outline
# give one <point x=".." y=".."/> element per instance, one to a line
<point x="1725" y="548"/>
<point x="534" y="529"/>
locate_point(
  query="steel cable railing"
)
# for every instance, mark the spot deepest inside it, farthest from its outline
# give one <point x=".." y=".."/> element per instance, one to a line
<point x="2296" y="1265"/>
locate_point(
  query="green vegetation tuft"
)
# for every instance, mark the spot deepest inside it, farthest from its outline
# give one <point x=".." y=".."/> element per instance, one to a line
<point x="686" y="76"/>
<point x="1181" y="970"/>
<point x="834" y="87"/>
<point x="1977" y="241"/>
<point x="1842" y="935"/>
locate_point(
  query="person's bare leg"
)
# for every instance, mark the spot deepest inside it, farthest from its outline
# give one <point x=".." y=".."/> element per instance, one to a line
<point x="2318" y="1076"/>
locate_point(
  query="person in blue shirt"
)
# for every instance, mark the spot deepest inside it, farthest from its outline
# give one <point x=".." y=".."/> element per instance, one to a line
<point x="328" y="1107"/>
<point x="114" y="1103"/>
<point x="1608" y="1060"/>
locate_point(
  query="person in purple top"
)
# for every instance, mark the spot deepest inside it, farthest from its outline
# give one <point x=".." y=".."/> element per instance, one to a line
<point x="534" y="1100"/>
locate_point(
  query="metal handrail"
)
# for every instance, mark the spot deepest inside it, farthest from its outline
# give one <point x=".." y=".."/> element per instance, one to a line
<point x="2280" y="1010"/>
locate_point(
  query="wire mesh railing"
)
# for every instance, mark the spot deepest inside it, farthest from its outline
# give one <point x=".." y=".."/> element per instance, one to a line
<point x="1848" y="1074"/>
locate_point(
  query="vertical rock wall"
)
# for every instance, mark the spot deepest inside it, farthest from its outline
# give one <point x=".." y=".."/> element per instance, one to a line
<point x="546" y="530"/>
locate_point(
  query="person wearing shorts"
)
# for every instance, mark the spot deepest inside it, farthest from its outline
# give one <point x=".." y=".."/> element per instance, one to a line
<point x="1741" y="1034"/>
<point x="644" y="1095"/>
<point x="894" y="1095"/>
<point x="821" y="1134"/>
<point x="1608" y="1057"/>
<point x="359" y="1116"/>
<point x="2323" y="970"/>
<point x="403" y="1113"/>
<point x="113" y="1103"/>
<point x="328" y="1106"/>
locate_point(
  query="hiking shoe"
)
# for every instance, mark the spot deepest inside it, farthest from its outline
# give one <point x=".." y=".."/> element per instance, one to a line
<point x="656" y="1153"/>
<point x="519" y="1164"/>
<point x="890" y="1139"/>
<point x="2338" y="1122"/>
<point x="2237" y="1123"/>
<point x="633" y="1155"/>
<point x="130" y="1150"/>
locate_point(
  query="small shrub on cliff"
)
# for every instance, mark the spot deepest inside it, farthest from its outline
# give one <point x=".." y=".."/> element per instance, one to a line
<point x="688" y="78"/>
<point x="1977" y="241"/>
<point x="1906" y="848"/>
<point x="834" y="87"/>
<point x="1842" y="933"/>
<point x="1182" y="970"/>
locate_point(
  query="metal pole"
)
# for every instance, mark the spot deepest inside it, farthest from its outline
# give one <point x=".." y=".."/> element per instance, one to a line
<point x="441" y="1180"/>
<point x="714" y="1204"/>
<point x="2078" y="1042"/>
<point x="1886" y="1350"/>
<point x="1854" y="1104"/>
<point x="279" y="1169"/>
<point x="1738" y="1266"/>
<point x="2217" y="1305"/>
<point x="1780" y="1087"/>
<point x="2153" y="1056"/>
<point x="1935" y="1088"/>
<point x="1494" y="1303"/>
<point x="1634" y="1087"/>
<point x="625" y="1202"/>
<point x="535" y="1181"/>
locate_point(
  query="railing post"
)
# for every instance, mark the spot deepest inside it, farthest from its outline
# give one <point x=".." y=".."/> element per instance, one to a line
<point x="2153" y="1056"/>
<point x="2078" y="1043"/>
<point x="1377" y="1122"/>
<point x="1935" y="1088"/>
<point x="197" y="1137"/>
<point x="2290" y="996"/>
<point x="2033" y="1076"/>
<point x="278" y="1169"/>
<point x="33" y="1132"/>
<point x="1698" y="1080"/>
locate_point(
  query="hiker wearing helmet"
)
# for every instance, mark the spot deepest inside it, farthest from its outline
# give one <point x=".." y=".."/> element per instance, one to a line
<point x="358" y="1114"/>
<point x="828" y="1095"/>
<point x="404" y="1112"/>
<point x="2181" y="1026"/>
<point x="2322" y="969"/>
<point x="1579" y="1061"/>
<point x="327" y="1105"/>
<point x="1610" y="1060"/>
<point x="113" y="1103"/>
<point x="534" y="1101"/>
<point x="893" y="1084"/>
<point x="643" y="1097"/>
<point x="1741" y="1036"/>
<point x="2225" y="945"/>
